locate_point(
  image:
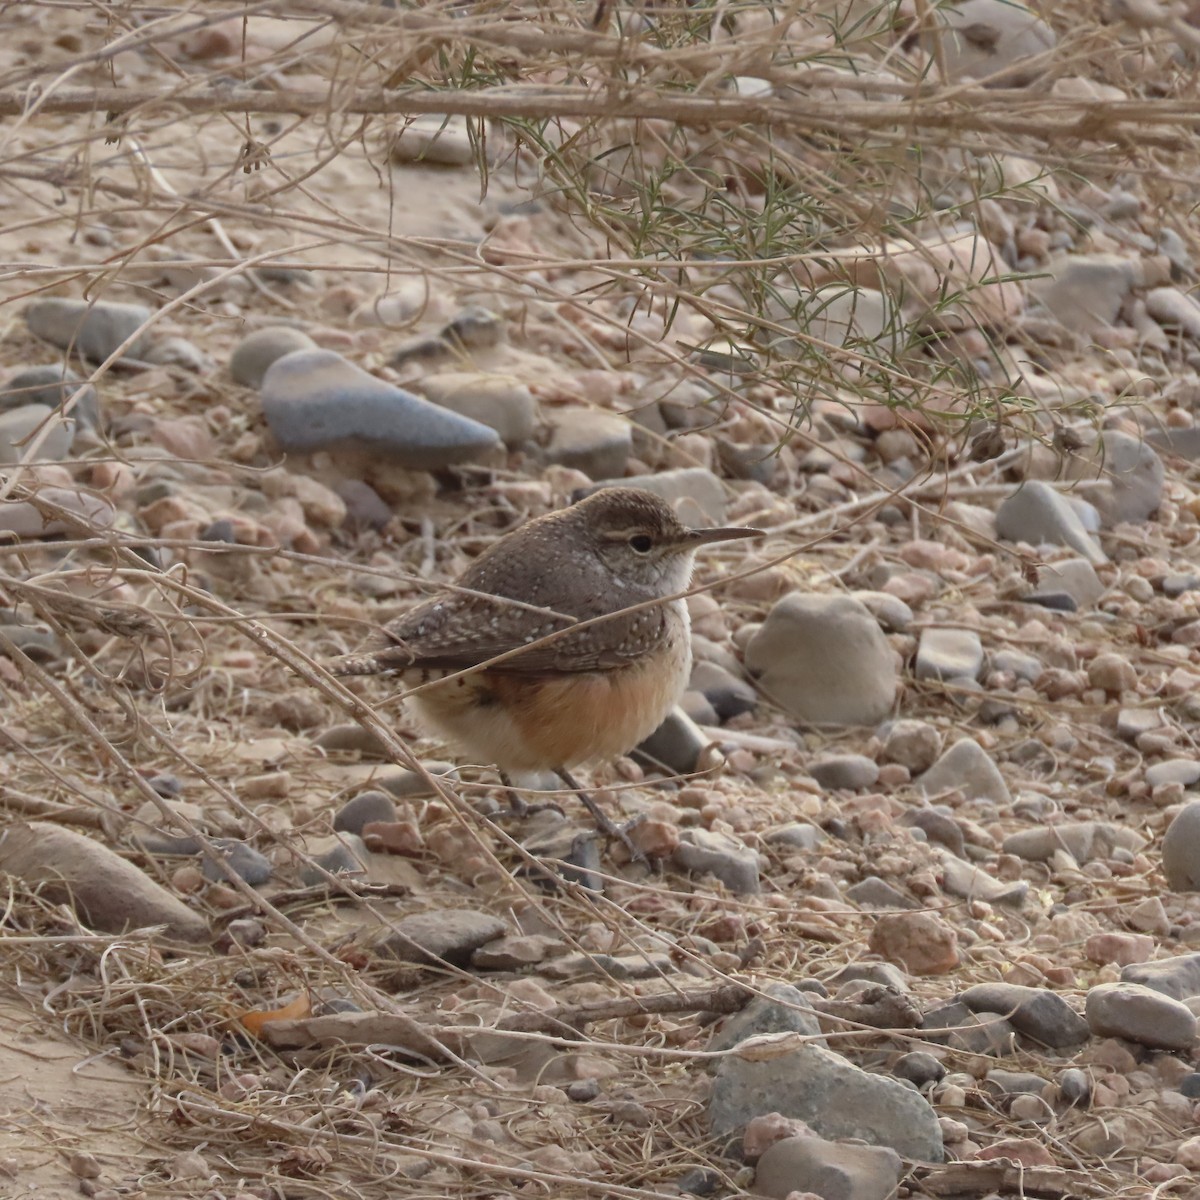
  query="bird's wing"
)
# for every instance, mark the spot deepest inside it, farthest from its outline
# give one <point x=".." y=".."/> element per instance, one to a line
<point x="459" y="632"/>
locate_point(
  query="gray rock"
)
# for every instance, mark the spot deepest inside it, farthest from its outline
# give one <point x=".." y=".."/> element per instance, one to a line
<point x="938" y="826"/>
<point x="1074" y="577"/>
<point x="317" y="400"/>
<point x="1024" y="666"/>
<point x="19" y="425"/>
<point x="970" y="882"/>
<point x="178" y="352"/>
<point x="831" y="1170"/>
<point x="677" y="744"/>
<point x="825" y="660"/>
<point x="719" y="855"/>
<point x="434" y="139"/>
<point x="1083" y="840"/>
<point x="362" y="810"/>
<point x="1041" y="515"/>
<point x="890" y="611"/>
<point x="246" y="862"/>
<point x="500" y="402"/>
<point x="783" y="1009"/>
<point x="253" y="355"/>
<point x="1185" y="771"/>
<point x="1133" y="722"/>
<point x="1177" y="977"/>
<point x="967" y="768"/>
<point x="851" y="772"/>
<point x="1016" y="1083"/>
<point x="837" y="313"/>
<point x="1036" y="1013"/>
<point x="1074" y="1086"/>
<point x="997" y="41"/>
<point x="683" y="488"/>
<point x="834" y="1097"/>
<point x="610" y="966"/>
<point x="1181" y="848"/>
<point x="23" y="519"/>
<point x="442" y="935"/>
<point x="1139" y="1014"/>
<point x="960" y="1028"/>
<point x="596" y="443"/>
<point x="1085" y="292"/>
<point x="797" y="836"/>
<point x="883" y="974"/>
<point x="913" y="744"/>
<point x="92" y="329"/>
<point x="564" y="853"/>
<point x="51" y="385"/>
<point x="1185" y="442"/>
<point x="949" y="654"/>
<point x="919" y="1067"/>
<point x="1128" y="477"/>
<point x="874" y="892"/>
<point x="340" y="854"/>
<point x="729" y="695"/>
<point x="1174" y="309"/>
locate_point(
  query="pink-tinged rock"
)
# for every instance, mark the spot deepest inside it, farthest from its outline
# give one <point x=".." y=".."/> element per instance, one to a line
<point x="920" y="942"/>
<point x="1119" y="948"/>
<point x="763" y="1132"/>
<point x="1026" y="1151"/>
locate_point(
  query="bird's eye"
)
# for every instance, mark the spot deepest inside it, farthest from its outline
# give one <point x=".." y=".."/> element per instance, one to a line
<point x="641" y="543"/>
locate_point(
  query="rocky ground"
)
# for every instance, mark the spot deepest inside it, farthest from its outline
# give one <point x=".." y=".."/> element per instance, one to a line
<point x="919" y="907"/>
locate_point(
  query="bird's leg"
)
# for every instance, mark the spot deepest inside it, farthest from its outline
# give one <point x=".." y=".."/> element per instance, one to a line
<point x="603" y="822"/>
<point x="520" y="807"/>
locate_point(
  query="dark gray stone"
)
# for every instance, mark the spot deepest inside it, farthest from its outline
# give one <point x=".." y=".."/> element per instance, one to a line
<point x="92" y="329"/>
<point x="1140" y="1014"/>
<point x="1034" y="1012"/>
<point x="51" y="385"/>
<point x="246" y="862"/>
<point x="442" y="935"/>
<point x="364" y="809"/>
<point x="317" y="400"/>
<point x="784" y="1009"/>
<point x="1177" y="977"/>
<point x="834" y="1097"/>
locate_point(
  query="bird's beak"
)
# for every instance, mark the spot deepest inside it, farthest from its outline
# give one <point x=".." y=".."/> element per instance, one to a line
<point x="701" y="537"/>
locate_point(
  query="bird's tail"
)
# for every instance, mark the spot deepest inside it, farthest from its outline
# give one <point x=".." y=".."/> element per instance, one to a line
<point x="371" y="662"/>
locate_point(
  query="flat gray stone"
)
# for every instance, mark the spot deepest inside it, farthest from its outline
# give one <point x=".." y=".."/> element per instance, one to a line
<point x="1074" y="577"/>
<point x="1177" y="977"/>
<point x="500" y="402"/>
<point x="955" y="1025"/>
<point x="877" y="893"/>
<point x="92" y="329"/>
<point x="51" y="385"/>
<point x="970" y="882"/>
<point x="1011" y="52"/>
<point x="728" y="695"/>
<point x="317" y="400"/>
<point x="1185" y="771"/>
<point x="364" y="809"/>
<point x="949" y="654"/>
<point x="1181" y="847"/>
<point x="1083" y="840"/>
<point x="825" y="660"/>
<point x="338" y="854"/>
<point x="1140" y="1014"/>
<point x="1125" y="477"/>
<point x="967" y="768"/>
<point x="797" y="836"/>
<point x="831" y="1170"/>
<point x="685" y="488"/>
<point x="719" y="855"/>
<point x="252" y="865"/>
<point x="830" y="1094"/>
<point x="19" y="425"/>
<point x="1039" y="514"/>
<point x="1037" y="1013"/>
<point x="849" y="772"/>
<point x="596" y="443"/>
<point x="678" y="744"/>
<point x="443" y="935"/>
<point x="783" y="1009"/>
<point x="253" y="356"/>
<point x="1086" y="291"/>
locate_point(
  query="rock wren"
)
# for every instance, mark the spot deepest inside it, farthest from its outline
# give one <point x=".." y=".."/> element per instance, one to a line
<point x="592" y="693"/>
